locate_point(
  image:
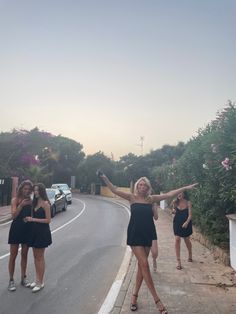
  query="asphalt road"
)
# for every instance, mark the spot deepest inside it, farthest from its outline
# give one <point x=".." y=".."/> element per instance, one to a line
<point x="81" y="264"/>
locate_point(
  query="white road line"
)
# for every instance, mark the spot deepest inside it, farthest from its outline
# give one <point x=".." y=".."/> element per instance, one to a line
<point x="57" y="229"/>
<point x="111" y="297"/>
<point x="73" y="219"/>
<point x="6" y="223"/>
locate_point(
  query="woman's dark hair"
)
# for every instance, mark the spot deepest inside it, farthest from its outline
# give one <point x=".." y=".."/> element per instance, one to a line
<point x="42" y="194"/>
<point x="24" y="183"/>
<point x="185" y="196"/>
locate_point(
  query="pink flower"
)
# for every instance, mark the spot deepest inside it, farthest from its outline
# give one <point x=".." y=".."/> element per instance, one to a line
<point x="226" y="164"/>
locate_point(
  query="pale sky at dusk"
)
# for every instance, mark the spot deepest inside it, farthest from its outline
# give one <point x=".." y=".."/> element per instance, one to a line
<point x="105" y="73"/>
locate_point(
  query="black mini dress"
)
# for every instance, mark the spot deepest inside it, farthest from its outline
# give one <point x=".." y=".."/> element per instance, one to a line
<point x="141" y="229"/>
<point x="19" y="230"/>
<point x="181" y="215"/>
<point x="40" y="234"/>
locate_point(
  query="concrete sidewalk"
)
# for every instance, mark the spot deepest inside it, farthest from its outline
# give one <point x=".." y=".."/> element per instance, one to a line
<point x="203" y="286"/>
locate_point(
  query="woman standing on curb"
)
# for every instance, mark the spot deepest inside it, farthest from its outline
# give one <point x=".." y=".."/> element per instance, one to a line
<point x="141" y="231"/>
<point x="182" y="225"/>
<point x="19" y="232"/>
<point x="40" y="233"/>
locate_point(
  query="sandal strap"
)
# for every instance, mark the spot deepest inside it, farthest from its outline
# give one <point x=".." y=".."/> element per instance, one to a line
<point x="163" y="310"/>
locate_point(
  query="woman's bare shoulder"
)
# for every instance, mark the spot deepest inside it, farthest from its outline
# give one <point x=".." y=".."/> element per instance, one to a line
<point x="46" y="203"/>
<point x="14" y="200"/>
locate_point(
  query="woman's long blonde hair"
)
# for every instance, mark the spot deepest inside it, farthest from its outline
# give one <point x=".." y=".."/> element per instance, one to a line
<point x="147" y="182"/>
<point x="19" y="193"/>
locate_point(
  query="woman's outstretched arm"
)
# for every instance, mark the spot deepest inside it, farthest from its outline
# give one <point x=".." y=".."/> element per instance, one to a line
<point x="114" y="189"/>
<point x="170" y="194"/>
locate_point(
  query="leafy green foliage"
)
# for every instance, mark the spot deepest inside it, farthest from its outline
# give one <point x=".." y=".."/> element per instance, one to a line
<point x="39" y="156"/>
<point x="202" y="162"/>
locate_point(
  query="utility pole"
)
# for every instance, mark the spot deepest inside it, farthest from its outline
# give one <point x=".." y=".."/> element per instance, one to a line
<point x="141" y="144"/>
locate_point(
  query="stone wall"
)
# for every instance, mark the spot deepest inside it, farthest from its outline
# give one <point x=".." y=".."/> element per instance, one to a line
<point x="218" y="253"/>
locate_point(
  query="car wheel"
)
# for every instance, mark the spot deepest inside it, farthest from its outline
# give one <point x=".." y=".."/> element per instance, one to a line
<point x="53" y="211"/>
<point x="65" y="206"/>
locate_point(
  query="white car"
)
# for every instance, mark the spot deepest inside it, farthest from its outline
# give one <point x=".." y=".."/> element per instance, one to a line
<point x="66" y="190"/>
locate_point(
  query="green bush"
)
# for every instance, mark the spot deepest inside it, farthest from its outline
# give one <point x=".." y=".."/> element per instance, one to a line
<point x="202" y="162"/>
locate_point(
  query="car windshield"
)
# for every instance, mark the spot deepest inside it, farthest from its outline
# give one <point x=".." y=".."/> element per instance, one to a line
<point x="50" y="193"/>
<point x="63" y="186"/>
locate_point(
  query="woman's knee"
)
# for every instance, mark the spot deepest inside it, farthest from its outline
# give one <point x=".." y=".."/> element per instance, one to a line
<point x="187" y="240"/>
<point x="38" y="254"/>
<point x="143" y="264"/>
<point x="13" y="256"/>
<point x="177" y="240"/>
<point x="24" y="253"/>
<point x="154" y="254"/>
<point x="13" y="252"/>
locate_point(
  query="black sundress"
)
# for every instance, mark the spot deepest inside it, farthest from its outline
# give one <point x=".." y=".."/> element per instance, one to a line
<point x="40" y="235"/>
<point x="181" y="215"/>
<point x="19" y="230"/>
<point x="141" y="229"/>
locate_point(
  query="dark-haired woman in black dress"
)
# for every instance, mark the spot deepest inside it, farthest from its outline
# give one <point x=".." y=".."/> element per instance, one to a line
<point x="182" y="225"/>
<point x="40" y="232"/>
<point x="19" y="232"/>
<point x="141" y="231"/>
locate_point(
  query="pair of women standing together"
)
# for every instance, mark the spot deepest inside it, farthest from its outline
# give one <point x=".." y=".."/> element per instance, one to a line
<point x="141" y="231"/>
<point x="29" y="228"/>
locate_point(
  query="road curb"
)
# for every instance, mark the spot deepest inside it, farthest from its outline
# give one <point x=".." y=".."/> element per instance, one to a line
<point x="125" y="286"/>
<point x="116" y="295"/>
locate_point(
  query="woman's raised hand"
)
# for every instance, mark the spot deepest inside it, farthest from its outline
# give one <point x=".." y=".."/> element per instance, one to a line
<point x="191" y="186"/>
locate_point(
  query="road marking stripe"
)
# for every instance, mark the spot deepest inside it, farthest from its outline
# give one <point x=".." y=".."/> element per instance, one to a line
<point x="111" y="297"/>
<point x="73" y="219"/>
<point x="6" y="223"/>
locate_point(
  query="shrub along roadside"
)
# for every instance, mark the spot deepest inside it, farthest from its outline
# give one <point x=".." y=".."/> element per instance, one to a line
<point x="210" y="160"/>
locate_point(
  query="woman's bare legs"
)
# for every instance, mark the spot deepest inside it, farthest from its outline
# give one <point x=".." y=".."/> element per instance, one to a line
<point x="139" y="280"/>
<point x="189" y="247"/>
<point x="177" y="251"/>
<point x="154" y="251"/>
<point x="39" y="264"/>
<point x="141" y="254"/>
<point x="24" y="257"/>
<point x="12" y="259"/>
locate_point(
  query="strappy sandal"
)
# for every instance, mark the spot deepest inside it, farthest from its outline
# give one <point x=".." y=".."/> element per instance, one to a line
<point x="134" y="306"/>
<point x="179" y="267"/>
<point x="163" y="310"/>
